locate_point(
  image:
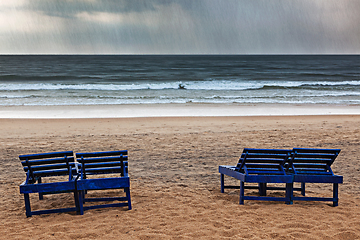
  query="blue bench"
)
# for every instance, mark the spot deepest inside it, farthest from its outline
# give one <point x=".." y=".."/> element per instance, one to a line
<point x="100" y="164"/>
<point x="311" y="165"/>
<point x="260" y="166"/>
<point x="39" y="166"/>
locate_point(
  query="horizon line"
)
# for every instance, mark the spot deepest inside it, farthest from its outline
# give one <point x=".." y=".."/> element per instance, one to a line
<point x="177" y="54"/>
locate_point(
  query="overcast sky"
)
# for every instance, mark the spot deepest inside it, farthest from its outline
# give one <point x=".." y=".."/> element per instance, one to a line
<point x="179" y="26"/>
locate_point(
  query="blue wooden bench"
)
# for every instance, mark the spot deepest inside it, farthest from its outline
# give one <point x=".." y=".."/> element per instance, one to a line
<point x="39" y="166"/>
<point x="260" y="166"/>
<point x="99" y="165"/>
<point x="310" y="165"/>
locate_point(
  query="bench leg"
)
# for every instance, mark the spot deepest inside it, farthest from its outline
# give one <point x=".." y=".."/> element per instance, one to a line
<point x="262" y="189"/>
<point x="241" y="202"/>
<point x="80" y="202"/>
<point x="82" y="197"/>
<point x="222" y="182"/>
<point x="27" y="205"/>
<point x="289" y="193"/>
<point x="128" y="197"/>
<point x="335" y="194"/>
<point x="303" y="188"/>
<point x="41" y="196"/>
<point x="77" y="202"/>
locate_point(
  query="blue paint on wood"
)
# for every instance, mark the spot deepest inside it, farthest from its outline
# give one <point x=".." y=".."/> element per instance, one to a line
<point x="313" y="165"/>
<point x="41" y="165"/>
<point x="102" y="163"/>
<point x="260" y="166"/>
<point x="303" y="165"/>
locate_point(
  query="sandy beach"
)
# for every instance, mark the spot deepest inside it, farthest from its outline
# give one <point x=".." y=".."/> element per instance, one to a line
<point x="175" y="184"/>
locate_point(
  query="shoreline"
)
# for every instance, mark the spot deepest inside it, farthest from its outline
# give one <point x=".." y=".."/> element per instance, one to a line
<point x="173" y="110"/>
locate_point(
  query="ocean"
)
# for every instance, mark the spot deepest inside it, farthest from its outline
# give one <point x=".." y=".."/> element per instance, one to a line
<point x="157" y="79"/>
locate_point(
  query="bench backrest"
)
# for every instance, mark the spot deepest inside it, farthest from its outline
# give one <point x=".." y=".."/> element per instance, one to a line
<point x="263" y="161"/>
<point x="48" y="164"/>
<point x="103" y="162"/>
<point x="312" y="161"/>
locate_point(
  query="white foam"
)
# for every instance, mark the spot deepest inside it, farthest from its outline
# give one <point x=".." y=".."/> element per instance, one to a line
<point x="192" y="85"/>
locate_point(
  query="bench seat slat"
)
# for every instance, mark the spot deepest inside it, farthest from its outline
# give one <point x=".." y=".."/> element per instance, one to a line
<point x="266" y="172"/>
<point x="310" y="165"/>
<point x="255" y="165"/>
<point x="263" y="169"/>
<point x="315" y="155"/>
<point x="311" y="160"/>
<point x="313" y="168"/>
<point x="313" y="172"/>
<point x="259" y="160"/>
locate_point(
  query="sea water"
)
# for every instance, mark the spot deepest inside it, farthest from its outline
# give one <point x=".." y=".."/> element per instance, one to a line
<point x="156" y="79"/>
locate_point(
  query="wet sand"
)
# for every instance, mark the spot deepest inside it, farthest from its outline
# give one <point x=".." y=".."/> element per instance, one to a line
<point x="174" y="110"/>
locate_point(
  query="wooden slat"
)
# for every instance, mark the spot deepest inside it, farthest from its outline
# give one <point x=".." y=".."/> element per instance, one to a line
<point x="265" y="172"/>
<point x="317" y="150"/>
<point x="254" y="165"/>
<point x="98" y="154"/>
<point x="315" y="156"/>
<point x="311" y="160"/>
<point x="270" y="156"/>
<point x="103" y="170"/>
<point x="310" y="165"/>
<point x="55" y="172"/>
<point x="104" y="165"/>
<point x="47" y="161"/>
<point x="308" y="172"/>
<point x="60" y="210"/>
<point x="258" y="170"/>
<point x="260" y="160"/>
<point x="314" y="199"/>
<point x="265" y="198"/>
<point x="102" y="159"/>
<point x="49" y="167"/>
<point x="323" y="178"/>
<point x="311" y="170"/>
<point x="277" y="151"/>
<point x="107" y="205"/>
<point x="46" y="155"/>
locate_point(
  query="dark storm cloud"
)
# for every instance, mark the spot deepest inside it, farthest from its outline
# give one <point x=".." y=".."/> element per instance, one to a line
<point x="68" y="8"/>
<point x="185" y="26"/>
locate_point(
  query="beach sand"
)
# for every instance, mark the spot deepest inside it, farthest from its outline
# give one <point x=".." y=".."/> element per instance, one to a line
<point x="175" y="184"/>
